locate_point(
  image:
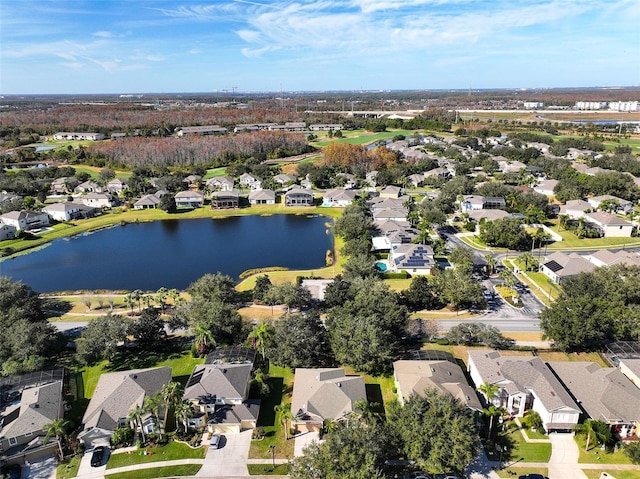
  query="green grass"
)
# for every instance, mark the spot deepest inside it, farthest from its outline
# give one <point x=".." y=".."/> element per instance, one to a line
<point x="268" y="470"/>
<point x="171" y="452"/>
<point x="380" y="389"/>
<point x="167" y="471"/>
<point x="513" y="472"/>
<point x="221" y="171"/>
<point x="68" y="468"/>
<point x="520" y="450"/>
<point x="595" y="473"/>
<point x="597" y="456"/>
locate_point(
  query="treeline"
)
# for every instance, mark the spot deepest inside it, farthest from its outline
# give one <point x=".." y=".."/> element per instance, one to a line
<point x="210" y="151"/>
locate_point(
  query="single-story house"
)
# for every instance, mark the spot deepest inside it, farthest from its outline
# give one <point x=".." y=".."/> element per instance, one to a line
<point x="220" y="391"/>
<point x="189" y="199"/>
<point x="631" y="369"/>
<point x="316" y="287"/>
<point x="115" y="396"/>
<point x="325" y="127"/>
<point x="202" y="130"/>
<point x="545" y="187"/>
<point x="192" y="181"/>
<point x="378" y="203"/>
<point x="98" y="200"/>
<point x="262" y="197"/>
<point x="63" y="185"/>
<point x="116" y="186"/>
<point x="147" y="202"/>
<point x="525" y="383"/>
<point x="611" y="225"/>
<point x="604" y="394"/>
<point x="416" y="179"/>
<point x="415" y="259"/>
<point x="391" y="191"/>
<point x="620" y="204"/>
<point x="26" y="410"/>
<point x="285" y="179"/>
<point x="225" y="199"/>
<point x="338" y="197"/>
<point x="605" y="257"/>
<point x="558" y="266"/>
<point x="25" y="220"/>
<point x="475" y="202"/>
<point x="68" y="211"/>
<point x="221" y="183"/>
<point x="324" y="393"/>
<point x="88" y="187"/>
<point x="394" y="214"/>
<point x="487" y="215"/>
<point x="416" y="376"/>
<point x="575" y="209"/>
<point x="78" y="135"/>
<point x="298" y="197"/>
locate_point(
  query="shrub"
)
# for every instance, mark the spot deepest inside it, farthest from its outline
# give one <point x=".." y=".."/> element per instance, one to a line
<point x="122" y="437"/>
<point x="632" y="451"/>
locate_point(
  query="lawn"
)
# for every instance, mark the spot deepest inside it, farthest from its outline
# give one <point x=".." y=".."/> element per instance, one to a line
<point x="68" y="468"/>
<point x="520" y="450"/>
<point x="150" y="473"/>
<point x="268" y="470"/>
<point x="281" y="386"/>
<point x="513" y="472"/>
<point x="170" y="452"/>
<point x="625" y="474"/>
<point x="380" y="389"/>
<point x="595" y="455"/>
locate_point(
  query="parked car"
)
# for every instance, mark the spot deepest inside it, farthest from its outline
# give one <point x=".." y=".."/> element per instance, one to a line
<point x="13" y="471"/>
<point x="532" y="476"/>
<point x="214" y="442"/>
<point x="97" y="456"/>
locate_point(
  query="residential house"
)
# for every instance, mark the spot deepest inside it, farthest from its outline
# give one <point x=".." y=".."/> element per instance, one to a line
<point x="378" y="203"/>
<point x="475" y="203"/>
<point x="371" y="177"/>
<point x="262" y="197"/>
<point x="575" y="209"/>
<point x="249" y="181"/>
<point x="88" y="187"/>
<point x="116" y="186"/>
<point x="525" y="383"/>
<point x="78" y="135"/>
<point x="395" y="214"/>
<point x="416" y="179"/>
<point x="220" y="183"/>
<point x="389" y="232"/>
<point x="338" y="198"/>
<point x="7" y="232"/>
<point x="509" y="166"/>
<point x="27" y="407"/>
<point x="610" y="225"/>
<point x="25" y="220"/>
<point x="441" y="171"/>
<point x="322" y="394"/>
<point x="202" y="130"/>
<point x="605" y="257"/>
<point x="220" y="390"/>
<point x="325" y="127"/>
<point x="545" y="187"/>
<point x="604" y="394"/>
<point x="631" y="369"/>
<point x="298" y="197"/>
<point x="316" y="287"/>
<point x="618" y="204"/>
<point x="147" y="202"/>
<point x="63" y="185"/>
<point x="115" y="396"/>
<point x="487" y="215"/>
<point x="225" y="199"/>
<point x="285" y="179"/>
<point x="7" y="197"/>
<point x="193" y="181"/>
<point x="391" y="191"/>
<point x="559" y="266"/>
<point x="68" y="211"/>
<point x="415" y="259"/>
<point x="246" y="128"/>
<point x="98" y="200"/>
<point x="189" y="199"/>
<point x="416" y="377"/>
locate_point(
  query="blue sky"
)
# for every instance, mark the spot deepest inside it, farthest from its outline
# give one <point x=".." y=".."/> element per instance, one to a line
<point x="138" y="46"/>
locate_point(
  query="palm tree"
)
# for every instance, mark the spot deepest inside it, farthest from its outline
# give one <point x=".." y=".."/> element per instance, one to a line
<point x="147" y="300"/>
<point x="128" y="299"/>
<point x="284" y="411"/>
<point x="203" y="337"/>
<point x="491" y="263"/>
<point x="135" y="416"/>
<point x="161" y="298"/>
<point x="171" y="395"/>
<point x="174" y="295"/>
<point x="527" y="258"/>
<point x="365" y="410"/>
<point x="58" y="429"/>
<point x="152" y="405"/>
<point x="596" y="429"/>
<point x="137" y="296"/>
<point x="507" y="278"/>
<point x="261" y="335"/>
<point x="490" y="391"/>
<point x="182" y="411"/>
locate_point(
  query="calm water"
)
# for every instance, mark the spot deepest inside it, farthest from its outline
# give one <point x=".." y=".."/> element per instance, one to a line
<point x="173" y="253"/>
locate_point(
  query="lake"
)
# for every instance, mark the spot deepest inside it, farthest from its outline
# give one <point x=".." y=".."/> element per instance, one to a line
<point x="173" y="253"/>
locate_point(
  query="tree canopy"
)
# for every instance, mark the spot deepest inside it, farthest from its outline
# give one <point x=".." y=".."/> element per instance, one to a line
<point x="300" y="341"/>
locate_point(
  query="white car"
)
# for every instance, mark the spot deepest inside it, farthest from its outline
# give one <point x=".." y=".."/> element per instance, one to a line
<point x="214" y="442"/>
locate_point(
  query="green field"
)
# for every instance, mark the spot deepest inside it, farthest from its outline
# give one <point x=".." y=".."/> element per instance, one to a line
<point x="151" y="473"/>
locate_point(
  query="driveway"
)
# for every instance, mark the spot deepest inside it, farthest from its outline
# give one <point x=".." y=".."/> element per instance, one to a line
<point x="563" y="463"/>
<point x="86" y="471"/>
<point x="303" y="440"/>
<point x="230" y="459"/>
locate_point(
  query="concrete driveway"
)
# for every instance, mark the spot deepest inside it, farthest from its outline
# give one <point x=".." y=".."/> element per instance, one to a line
<point x="563" y="463"/>
<point x="86" y="471"/>
<point x="41" y="469"/>
<point x="230" y="459"/>
<point x="303" y="440"/>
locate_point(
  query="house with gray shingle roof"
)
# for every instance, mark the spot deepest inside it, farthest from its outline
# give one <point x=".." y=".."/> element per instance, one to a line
<point x="415" y="259"/>
<point x="147" y="202"/>
<point x="604" y="394"/>
<point x="324" y="393"/>
<point x="559" y="266"/>
<point x="416" y="376"/>
<point x="25" y="220"/>
<point x="220" y="391"/>
<point x="222" y="183"/>
<point x="262" y="197"/>
<point x="225" y="199"/>
<point x="338" y="197"/>
<point x="631" y="369"/>
<point x="189" y="199"/>
<point x="23" y="418"/>
<point x="610" y="225"/>
<point x="116" y="394"/>
<point x="525" y="383"/>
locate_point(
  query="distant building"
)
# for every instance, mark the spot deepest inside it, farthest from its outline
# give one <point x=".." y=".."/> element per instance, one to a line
<point x="532" y="105"/>
<point x="202" y="130"/>
<point x="78" y="135"/>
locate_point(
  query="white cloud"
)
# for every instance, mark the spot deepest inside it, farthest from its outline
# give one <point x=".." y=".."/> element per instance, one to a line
<point x="248" y="36"/>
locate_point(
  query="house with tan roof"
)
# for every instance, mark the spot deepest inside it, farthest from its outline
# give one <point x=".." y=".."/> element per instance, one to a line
<point x="325" y="393"/>
<point x="631" y="369"/>
<point x="605" y="257"/>
<point x="225" y="199"/>
<point x="262" y="197"/>
<point x="25" y="220"/>
<point x="416" y="376"/>
<point x="189" y="199"/>
<point x="115" y="396"/>
<point x="575" y="209"/>
<point x="604" y="394"/>
<point x="559" y="266"/>
<point x="338" y="197"/>
<point x="610" y="225"/>
<point x="221" y="183"/>
<point x="545" y="187"/>
<point x="391" y="191"/>
<point x="525" y="382"/>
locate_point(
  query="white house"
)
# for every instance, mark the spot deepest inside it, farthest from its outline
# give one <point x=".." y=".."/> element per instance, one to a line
<point x="249" y="181"/>
<point x="575" y="209"/>
<point x="525" y="383"/>
<point x="610" y="225"/>
<point x="415" y="259"/>
<point x="98" y="200"/>
<point x="65" y="211"/>
<point x="262" y="197"/>
<point x="220" y="183"/>
<point x="7" y="232"/>
<point x="189" y="199"/>
<point x="338" y="197"/>
<point x="559" y="266"/>
<point x="545" y="187"/>
<point x="25" y="220"/>
<point x="78" y="135"/>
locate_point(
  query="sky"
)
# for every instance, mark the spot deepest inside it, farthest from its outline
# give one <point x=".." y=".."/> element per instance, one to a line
<point x="158" y="46"/>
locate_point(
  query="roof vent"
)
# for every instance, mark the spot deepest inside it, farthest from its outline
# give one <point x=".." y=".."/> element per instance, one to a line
<point x="224" y="371"/>
<point x="36" y="405"/>
<point x="339" y="385"/>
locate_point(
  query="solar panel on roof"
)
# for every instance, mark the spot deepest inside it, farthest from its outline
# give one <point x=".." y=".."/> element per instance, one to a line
<point x="195" y="378"/>
<point x="553" y="266"/>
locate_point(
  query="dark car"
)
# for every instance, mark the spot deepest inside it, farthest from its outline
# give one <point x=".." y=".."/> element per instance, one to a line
<point x="13" y="471"/>
<point x="97" y="456"/>
<point x="532" y="476"/>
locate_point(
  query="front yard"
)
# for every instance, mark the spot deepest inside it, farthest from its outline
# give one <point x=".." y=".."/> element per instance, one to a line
<point x="169" y="452"/>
